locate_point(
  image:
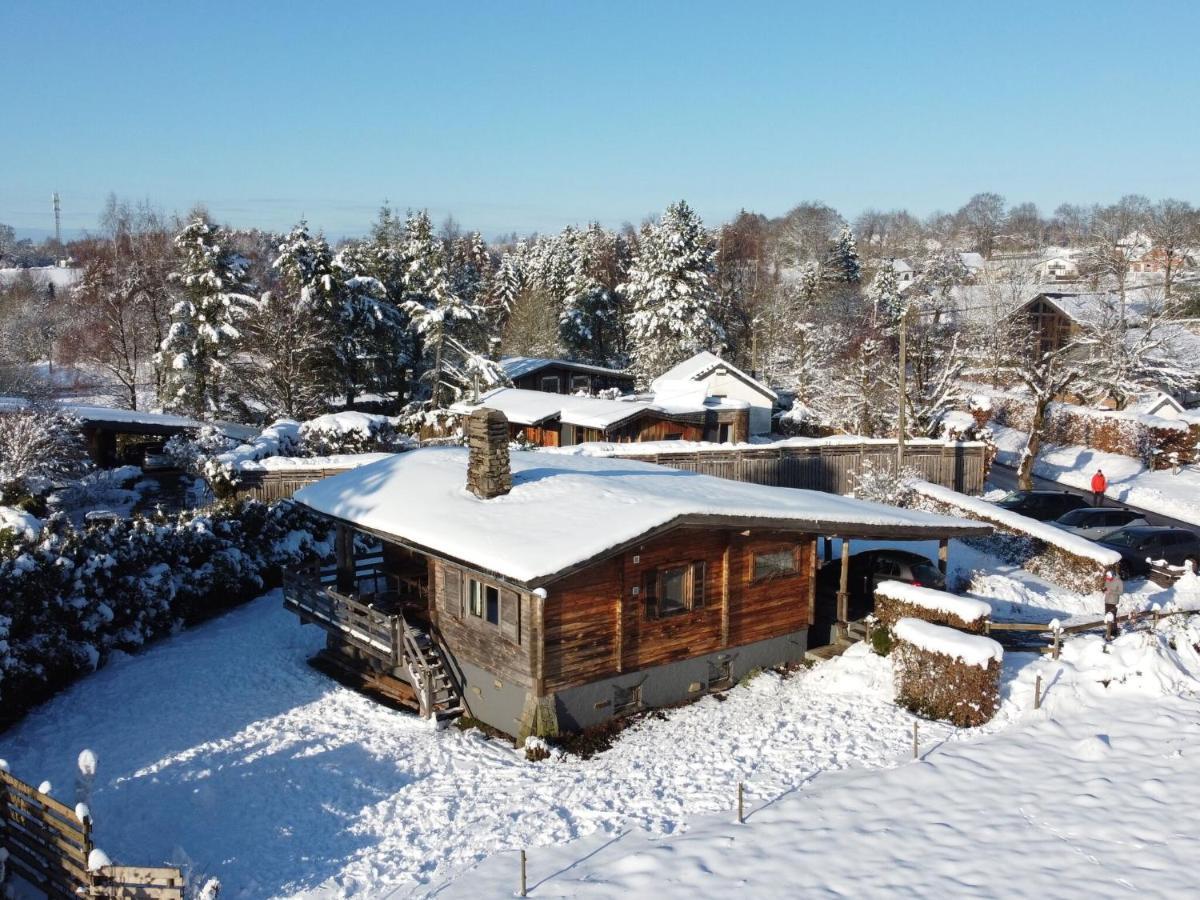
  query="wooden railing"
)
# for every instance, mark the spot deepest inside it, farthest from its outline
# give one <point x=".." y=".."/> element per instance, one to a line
<point x="49" y="847"/>
<point x="362" y="625"/>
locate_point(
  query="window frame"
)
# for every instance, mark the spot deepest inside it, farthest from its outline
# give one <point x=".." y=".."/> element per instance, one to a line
<point x="585" y="386"/>
<point x="693" y="600"/>
<point x="545" y="378"/>
<point x="792" y="550"/>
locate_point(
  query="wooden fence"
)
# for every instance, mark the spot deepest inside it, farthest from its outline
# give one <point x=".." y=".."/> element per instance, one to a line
<point x="48" y="847"/>
<point x="829" y="467"/>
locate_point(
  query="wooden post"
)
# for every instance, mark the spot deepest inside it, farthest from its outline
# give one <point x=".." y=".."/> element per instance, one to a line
<point x="812" y="583"/>
<point x="944" y="555"/>
<point x="741" y="804"/>
<point x="1057" y="642"/>
<point x="725" y="591"/>
<point x="1037" y="692"/>
<point x="523" y="882"/>
<point x="539" y="643"/>
<point x="843" y="594"/>
<point x="344" y="550"/>
<point x="916" y="744"/>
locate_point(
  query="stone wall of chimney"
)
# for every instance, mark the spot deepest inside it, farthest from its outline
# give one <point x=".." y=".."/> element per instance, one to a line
<point x="488" y="471"/>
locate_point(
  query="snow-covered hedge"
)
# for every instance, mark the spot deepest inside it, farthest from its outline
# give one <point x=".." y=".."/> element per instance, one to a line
<point x="351" y="432"/>
<point x="1154" y="440"/>
<point x="71" y="597"/>
<point x="1064" y="558"/>
<point x="942" y="673"/>
<point x="895" y="600"/>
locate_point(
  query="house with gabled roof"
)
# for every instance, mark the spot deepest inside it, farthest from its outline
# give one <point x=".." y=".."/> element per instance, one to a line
<point x="721" y="380"/>
<point x="542" y="592"/>
<point x="562" y="376"/>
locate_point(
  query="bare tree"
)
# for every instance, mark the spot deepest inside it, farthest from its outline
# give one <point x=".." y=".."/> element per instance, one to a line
<point x="1173" y="226"/>
<point x="982" y="217"/>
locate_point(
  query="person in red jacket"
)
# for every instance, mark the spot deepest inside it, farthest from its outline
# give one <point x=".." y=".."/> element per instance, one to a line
<point x="1099" y="486"/>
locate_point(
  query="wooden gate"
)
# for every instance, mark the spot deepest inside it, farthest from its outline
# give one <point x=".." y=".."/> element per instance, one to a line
<point x="48" y="846"/>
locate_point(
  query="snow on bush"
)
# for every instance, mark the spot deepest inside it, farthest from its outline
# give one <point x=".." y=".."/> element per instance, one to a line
<point x="895" y="600"/>
<point x="942" y="673"/>
<point x="19" y="524"/>
<point x="282" y="438"/>
<point x="351" y="432"/>
<point x="38" y="447"/>
<point x="72" y="597"/>
<point x="884" y="484"/>
<point x="191" y="451"/>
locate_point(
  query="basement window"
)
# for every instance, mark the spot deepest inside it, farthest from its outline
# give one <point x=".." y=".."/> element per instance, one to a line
<point x="626" y="700"/>
<point x="775" y="564"/>
<point x="674" y="590"/>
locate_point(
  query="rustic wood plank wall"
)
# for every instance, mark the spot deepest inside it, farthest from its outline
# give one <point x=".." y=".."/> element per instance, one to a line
<point x="829" y="468"/>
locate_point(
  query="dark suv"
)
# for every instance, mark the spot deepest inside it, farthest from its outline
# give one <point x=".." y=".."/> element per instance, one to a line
<point x="867" y="570"/>
<point x="1139" y="545"/>
<point x="1045" y="506"/>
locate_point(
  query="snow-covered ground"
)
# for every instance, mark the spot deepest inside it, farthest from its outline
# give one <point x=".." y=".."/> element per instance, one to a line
<point x="1129" y="481"/>
<point x="221" y="750"/>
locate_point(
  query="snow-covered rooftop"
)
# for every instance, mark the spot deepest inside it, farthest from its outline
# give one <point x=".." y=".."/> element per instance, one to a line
<point x="566" y="510"/>
<point x="524" y="407"/>
<point x="519" y="366"/>
<point x="703" y="364"/>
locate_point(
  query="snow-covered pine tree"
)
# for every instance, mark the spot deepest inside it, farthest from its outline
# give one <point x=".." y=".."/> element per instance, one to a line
<point x="212" y="299"/>
<point x="439" y="316"/>
<point x="842" y="265"/>
<point x="671" y="292"/>
<point x="590" y="317"/>
<point x="887" y="302"/>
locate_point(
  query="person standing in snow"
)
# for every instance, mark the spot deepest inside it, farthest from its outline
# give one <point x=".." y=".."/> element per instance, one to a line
<point x="1099" y="486"/>
<point x="1114" y="587"/>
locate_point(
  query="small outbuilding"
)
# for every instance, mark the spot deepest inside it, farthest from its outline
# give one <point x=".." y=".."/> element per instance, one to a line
<point x="721" y="380"/>
<point x="563" y="376"/>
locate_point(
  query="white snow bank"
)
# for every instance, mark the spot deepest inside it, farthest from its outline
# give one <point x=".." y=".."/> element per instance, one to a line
<point x="965" y="608"/>
<point x="334" y="461"/>
<point x="523" y="535"/>
<point x="275" y="440"/>
<point x="972" y="649"/>
<point x="1043" y="531"/>
<point x="342" y="423"/>
<point x="20" y="522"/>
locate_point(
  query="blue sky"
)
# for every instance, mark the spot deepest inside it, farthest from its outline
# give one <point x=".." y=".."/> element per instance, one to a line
<point x="528" y="116"/>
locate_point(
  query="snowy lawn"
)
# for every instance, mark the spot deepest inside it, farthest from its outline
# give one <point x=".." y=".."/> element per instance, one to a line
<point x="1176" y="496"/>
<point x="222" y="748"/>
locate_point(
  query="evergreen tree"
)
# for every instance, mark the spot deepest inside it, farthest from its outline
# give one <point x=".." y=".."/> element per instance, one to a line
<point x="842" y="264"/>
<point x="203" y="335"/>
<point x="887" y="302"/>
<point x="671" y="291"/>
<point x="590" y="316"/>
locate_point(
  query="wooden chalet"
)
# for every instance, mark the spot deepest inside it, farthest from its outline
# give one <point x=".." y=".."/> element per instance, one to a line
<point x="553" y="420"/>
<point x="562" y="376"/>
<point x="548" y="592"/>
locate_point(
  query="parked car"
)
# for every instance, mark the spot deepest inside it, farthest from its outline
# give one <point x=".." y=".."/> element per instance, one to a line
<point x="1045" y="506"/>
<point x="1138" y="545"/>
<point x="1094" y="522"/>
<point x="871" y="567"/>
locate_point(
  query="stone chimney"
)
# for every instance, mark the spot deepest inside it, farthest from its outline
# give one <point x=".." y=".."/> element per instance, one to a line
<point x="488" y="471"/>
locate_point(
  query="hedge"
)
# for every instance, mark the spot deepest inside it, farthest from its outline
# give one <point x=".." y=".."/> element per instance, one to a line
<point x="940" y="686"/>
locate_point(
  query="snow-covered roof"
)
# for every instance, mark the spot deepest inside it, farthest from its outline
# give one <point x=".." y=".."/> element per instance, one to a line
<point x="972" y="649"/>
<point x="702" y="365"/>
<point x="971" y="261"/>
<point x="564" y="511"/>
<point x="519" y="366"/>
<point x="524" y="407"/>
<point x="59" y="276"/>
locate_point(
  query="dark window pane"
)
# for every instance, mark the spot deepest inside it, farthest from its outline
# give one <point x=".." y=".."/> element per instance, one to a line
<point x="771" y="565"/>
<point x="673" y="598"/>
<point x="493" y="605"/>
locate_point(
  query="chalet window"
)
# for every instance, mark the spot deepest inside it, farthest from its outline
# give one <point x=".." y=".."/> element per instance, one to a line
<point x="489" y="604"/>
<point x="485" y="602"/>
<point x="626" y="700"/>
<point x="673" y="436"/>
<point x="775" y="564"/>
<point x="674" y="590"/>
<point x="475" y="600"/>
<point x="581" y="383"/>
<point x="550" y="384"/>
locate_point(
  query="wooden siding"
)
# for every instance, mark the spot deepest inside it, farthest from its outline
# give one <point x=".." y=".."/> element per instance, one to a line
<point x="596" y="627"/>
<point x="831" y="468"/>
<point x="596" y="380"/>
<point x="494" y="648"/>
<point x="538" y="435"/>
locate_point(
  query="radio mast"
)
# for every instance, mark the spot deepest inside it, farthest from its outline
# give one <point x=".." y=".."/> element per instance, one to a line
<point x="57" y="220"/>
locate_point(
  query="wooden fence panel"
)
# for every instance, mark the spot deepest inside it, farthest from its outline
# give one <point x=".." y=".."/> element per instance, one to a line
<point x="48" y="845"/>
<point x="832" y="468"/>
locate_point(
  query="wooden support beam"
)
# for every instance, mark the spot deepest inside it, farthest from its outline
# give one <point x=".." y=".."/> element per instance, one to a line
<point x="944" y="555"/>
<point x="344" y="552"/>
<point x="725" y="592"/>
<point x="843" y="594"/>
<point x="812" y="581"/>
<point x="539" y="643"/>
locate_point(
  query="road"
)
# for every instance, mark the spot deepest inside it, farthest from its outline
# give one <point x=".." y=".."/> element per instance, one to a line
<point x="1005" y="479"/>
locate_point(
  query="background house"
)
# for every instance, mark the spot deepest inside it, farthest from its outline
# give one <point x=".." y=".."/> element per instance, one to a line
<point x="560" y="376"/>
<point x="721" y="380"/>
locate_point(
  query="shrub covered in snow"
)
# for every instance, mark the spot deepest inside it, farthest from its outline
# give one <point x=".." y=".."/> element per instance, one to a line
<point x="192" y="451"/>
<point x="72" y="597"/>
<point x="895" y="600"/>
<point x="884" y="484"/>
<point x="39" y="446"/>
<point x="351" y="432"/>
<point x="942" y="673"/>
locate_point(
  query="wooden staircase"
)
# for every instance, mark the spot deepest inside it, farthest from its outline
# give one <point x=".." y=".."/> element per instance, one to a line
<point x="855" y="631"/>
<point x="410" y="654"/>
